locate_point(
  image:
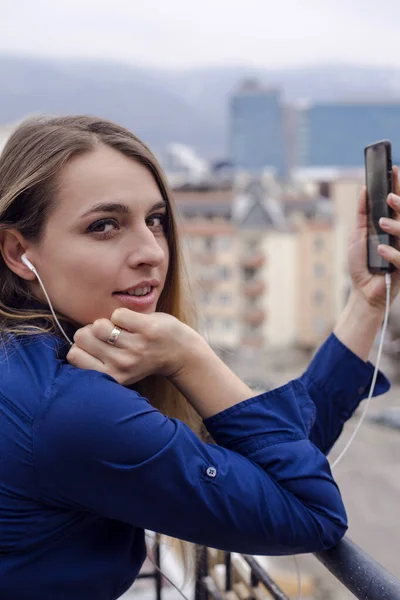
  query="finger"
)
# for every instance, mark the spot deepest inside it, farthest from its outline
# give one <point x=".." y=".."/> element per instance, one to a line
<point x="77" y="357"/>
<point x="361" y="217"/>
<point x="102" y="329"/>
<point x="93" y="340"/>
<point x="392" y="226"/>
<point x="390" y="254"/>
<point x="130" y="320"/>
<point x="394" y="202"/>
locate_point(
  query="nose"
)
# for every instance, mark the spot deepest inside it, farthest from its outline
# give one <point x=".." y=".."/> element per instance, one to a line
<point x="146" y="249"/>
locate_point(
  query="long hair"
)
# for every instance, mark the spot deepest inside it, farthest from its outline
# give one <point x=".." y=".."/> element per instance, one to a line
<point x="30" y="164"/>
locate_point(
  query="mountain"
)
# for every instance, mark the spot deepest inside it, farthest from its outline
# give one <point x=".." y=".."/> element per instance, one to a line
<point x="163" y="106"/>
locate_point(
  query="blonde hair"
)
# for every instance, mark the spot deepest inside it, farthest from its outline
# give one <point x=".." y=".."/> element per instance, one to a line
<point x="30" y="162"/>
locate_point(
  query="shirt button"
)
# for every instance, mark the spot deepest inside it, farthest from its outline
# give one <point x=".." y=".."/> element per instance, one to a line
<point x="211" y="472"/>
<point x="361" y="390"/>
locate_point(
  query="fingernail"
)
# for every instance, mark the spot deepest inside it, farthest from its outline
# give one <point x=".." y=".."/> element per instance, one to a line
<point x="384" y="223"/>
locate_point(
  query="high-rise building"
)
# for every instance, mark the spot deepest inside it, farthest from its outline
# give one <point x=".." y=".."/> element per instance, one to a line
<point x="334" y="134"/>
<point x="257" y="132"/>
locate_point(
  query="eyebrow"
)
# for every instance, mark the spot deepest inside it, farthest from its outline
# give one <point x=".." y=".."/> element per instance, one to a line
<point x="117" y="207"/>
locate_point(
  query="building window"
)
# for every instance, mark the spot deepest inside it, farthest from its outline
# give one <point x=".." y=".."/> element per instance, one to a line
<point x="224" y="243"/>
<point x="319" y="270"/>
<point x="320" y="325"/>
<point x="249" y="273"/>
<point x="319" y="297"/>
<point x="208" y="244"/>
<point x="252" y="246"/>
<point x="225" y="298"/>
<point x="209" y="323"/>
<point x="224" y="272"/>
<point x="228" y="324"/>
<point x="319" y="243"/>
<point x="325" y="189"/>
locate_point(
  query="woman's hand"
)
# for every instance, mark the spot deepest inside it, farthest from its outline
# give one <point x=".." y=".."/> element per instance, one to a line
<point x="148" y="344"/>
<point x="372" y="287"/>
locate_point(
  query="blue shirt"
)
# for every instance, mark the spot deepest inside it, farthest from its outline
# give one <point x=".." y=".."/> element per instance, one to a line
<point x="86" y="465"/>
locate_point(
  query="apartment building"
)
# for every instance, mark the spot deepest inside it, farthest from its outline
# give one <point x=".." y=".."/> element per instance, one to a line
<point x="315" y="273"/>
<point x="210" y="250"/>
<point x="261" y="269"/>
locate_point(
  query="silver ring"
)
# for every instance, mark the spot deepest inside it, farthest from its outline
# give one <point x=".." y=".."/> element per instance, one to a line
<point x="114" y="335"/>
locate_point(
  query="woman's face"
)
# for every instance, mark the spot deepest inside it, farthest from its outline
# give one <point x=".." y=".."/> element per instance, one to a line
<point x="104" y="242"/>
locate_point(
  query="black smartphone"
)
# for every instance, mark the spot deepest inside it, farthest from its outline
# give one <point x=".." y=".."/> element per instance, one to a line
<point x="379" y="181"/>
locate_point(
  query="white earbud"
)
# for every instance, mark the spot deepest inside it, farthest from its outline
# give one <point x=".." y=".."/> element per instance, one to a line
<point x="27" y="262"/>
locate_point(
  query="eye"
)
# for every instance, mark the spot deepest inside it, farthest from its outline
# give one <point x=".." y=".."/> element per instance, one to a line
<point x="158" y="222"/>
<point x="104" y="228"/>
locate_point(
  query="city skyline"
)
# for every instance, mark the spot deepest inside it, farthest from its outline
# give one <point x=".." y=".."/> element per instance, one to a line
<point x="178" y="34"/>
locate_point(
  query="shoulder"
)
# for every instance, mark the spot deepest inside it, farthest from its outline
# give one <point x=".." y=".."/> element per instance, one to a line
<point x="88" y="414"/>
<point x="28" y="366"/>
<point x="91" y="399"/>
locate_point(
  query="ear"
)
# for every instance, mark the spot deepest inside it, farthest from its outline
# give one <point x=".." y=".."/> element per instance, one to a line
<point x="12" y="247"/>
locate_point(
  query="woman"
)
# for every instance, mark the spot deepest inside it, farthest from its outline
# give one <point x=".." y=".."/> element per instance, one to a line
<point x="88" y="462"/>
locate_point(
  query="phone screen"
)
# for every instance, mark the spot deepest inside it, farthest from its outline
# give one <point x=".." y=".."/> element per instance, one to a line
<point x="379" y="185"/>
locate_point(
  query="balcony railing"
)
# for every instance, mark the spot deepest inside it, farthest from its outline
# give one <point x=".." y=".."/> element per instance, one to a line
<point x="252" y="340"/>
<point x="254" y="316"/>
<point x="206" y="258"/>
<point x="363" y="576"/>
<point x="253" y="288"/>
<point x="253" y="261"/>
<point x="360" y="573"/>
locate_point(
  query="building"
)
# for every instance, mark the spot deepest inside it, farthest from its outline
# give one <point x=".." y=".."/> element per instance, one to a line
<point x="334" y="134"/>
<point x="341" y="188"/>
<point x="261" y="267"/>
<point x="315" y="272"/>
<point x="257" y="129"/>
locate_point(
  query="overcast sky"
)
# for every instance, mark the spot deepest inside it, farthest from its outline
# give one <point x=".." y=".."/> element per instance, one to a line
<point x="188" y="33"/>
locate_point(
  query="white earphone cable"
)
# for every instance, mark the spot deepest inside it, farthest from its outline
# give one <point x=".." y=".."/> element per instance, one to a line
<point x="50" y="305"/>
<point x="378" y="359"/>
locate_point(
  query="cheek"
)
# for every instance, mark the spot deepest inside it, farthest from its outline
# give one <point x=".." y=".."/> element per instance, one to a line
<point x="79" y="269"/>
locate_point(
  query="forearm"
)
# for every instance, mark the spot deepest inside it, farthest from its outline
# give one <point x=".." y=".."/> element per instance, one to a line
<point x="339" y="376"/>
<point x="211" y="387"/>
<point x="358" y="325"/>
<point x="207" y="383"/>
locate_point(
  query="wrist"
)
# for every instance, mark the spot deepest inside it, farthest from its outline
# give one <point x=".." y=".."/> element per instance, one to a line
<point x="193" y="349"/>
<point x="359" y="324"/>
<point x="358" y="304"/>
<point x="207" y="382"/>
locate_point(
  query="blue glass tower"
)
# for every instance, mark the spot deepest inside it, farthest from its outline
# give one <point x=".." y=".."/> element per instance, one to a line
<point x="335" y="134"/>
<point x="257" y="128"/>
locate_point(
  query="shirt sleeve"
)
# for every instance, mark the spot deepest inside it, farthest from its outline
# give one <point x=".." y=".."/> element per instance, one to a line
<point x="264" y="488"/>
<point x="337" y="380"/>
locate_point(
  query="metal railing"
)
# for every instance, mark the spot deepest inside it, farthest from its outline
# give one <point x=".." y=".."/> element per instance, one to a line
<point x="363" y="576"/>
<point x="207" y="587"/>
<point x="154" y="573"/>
